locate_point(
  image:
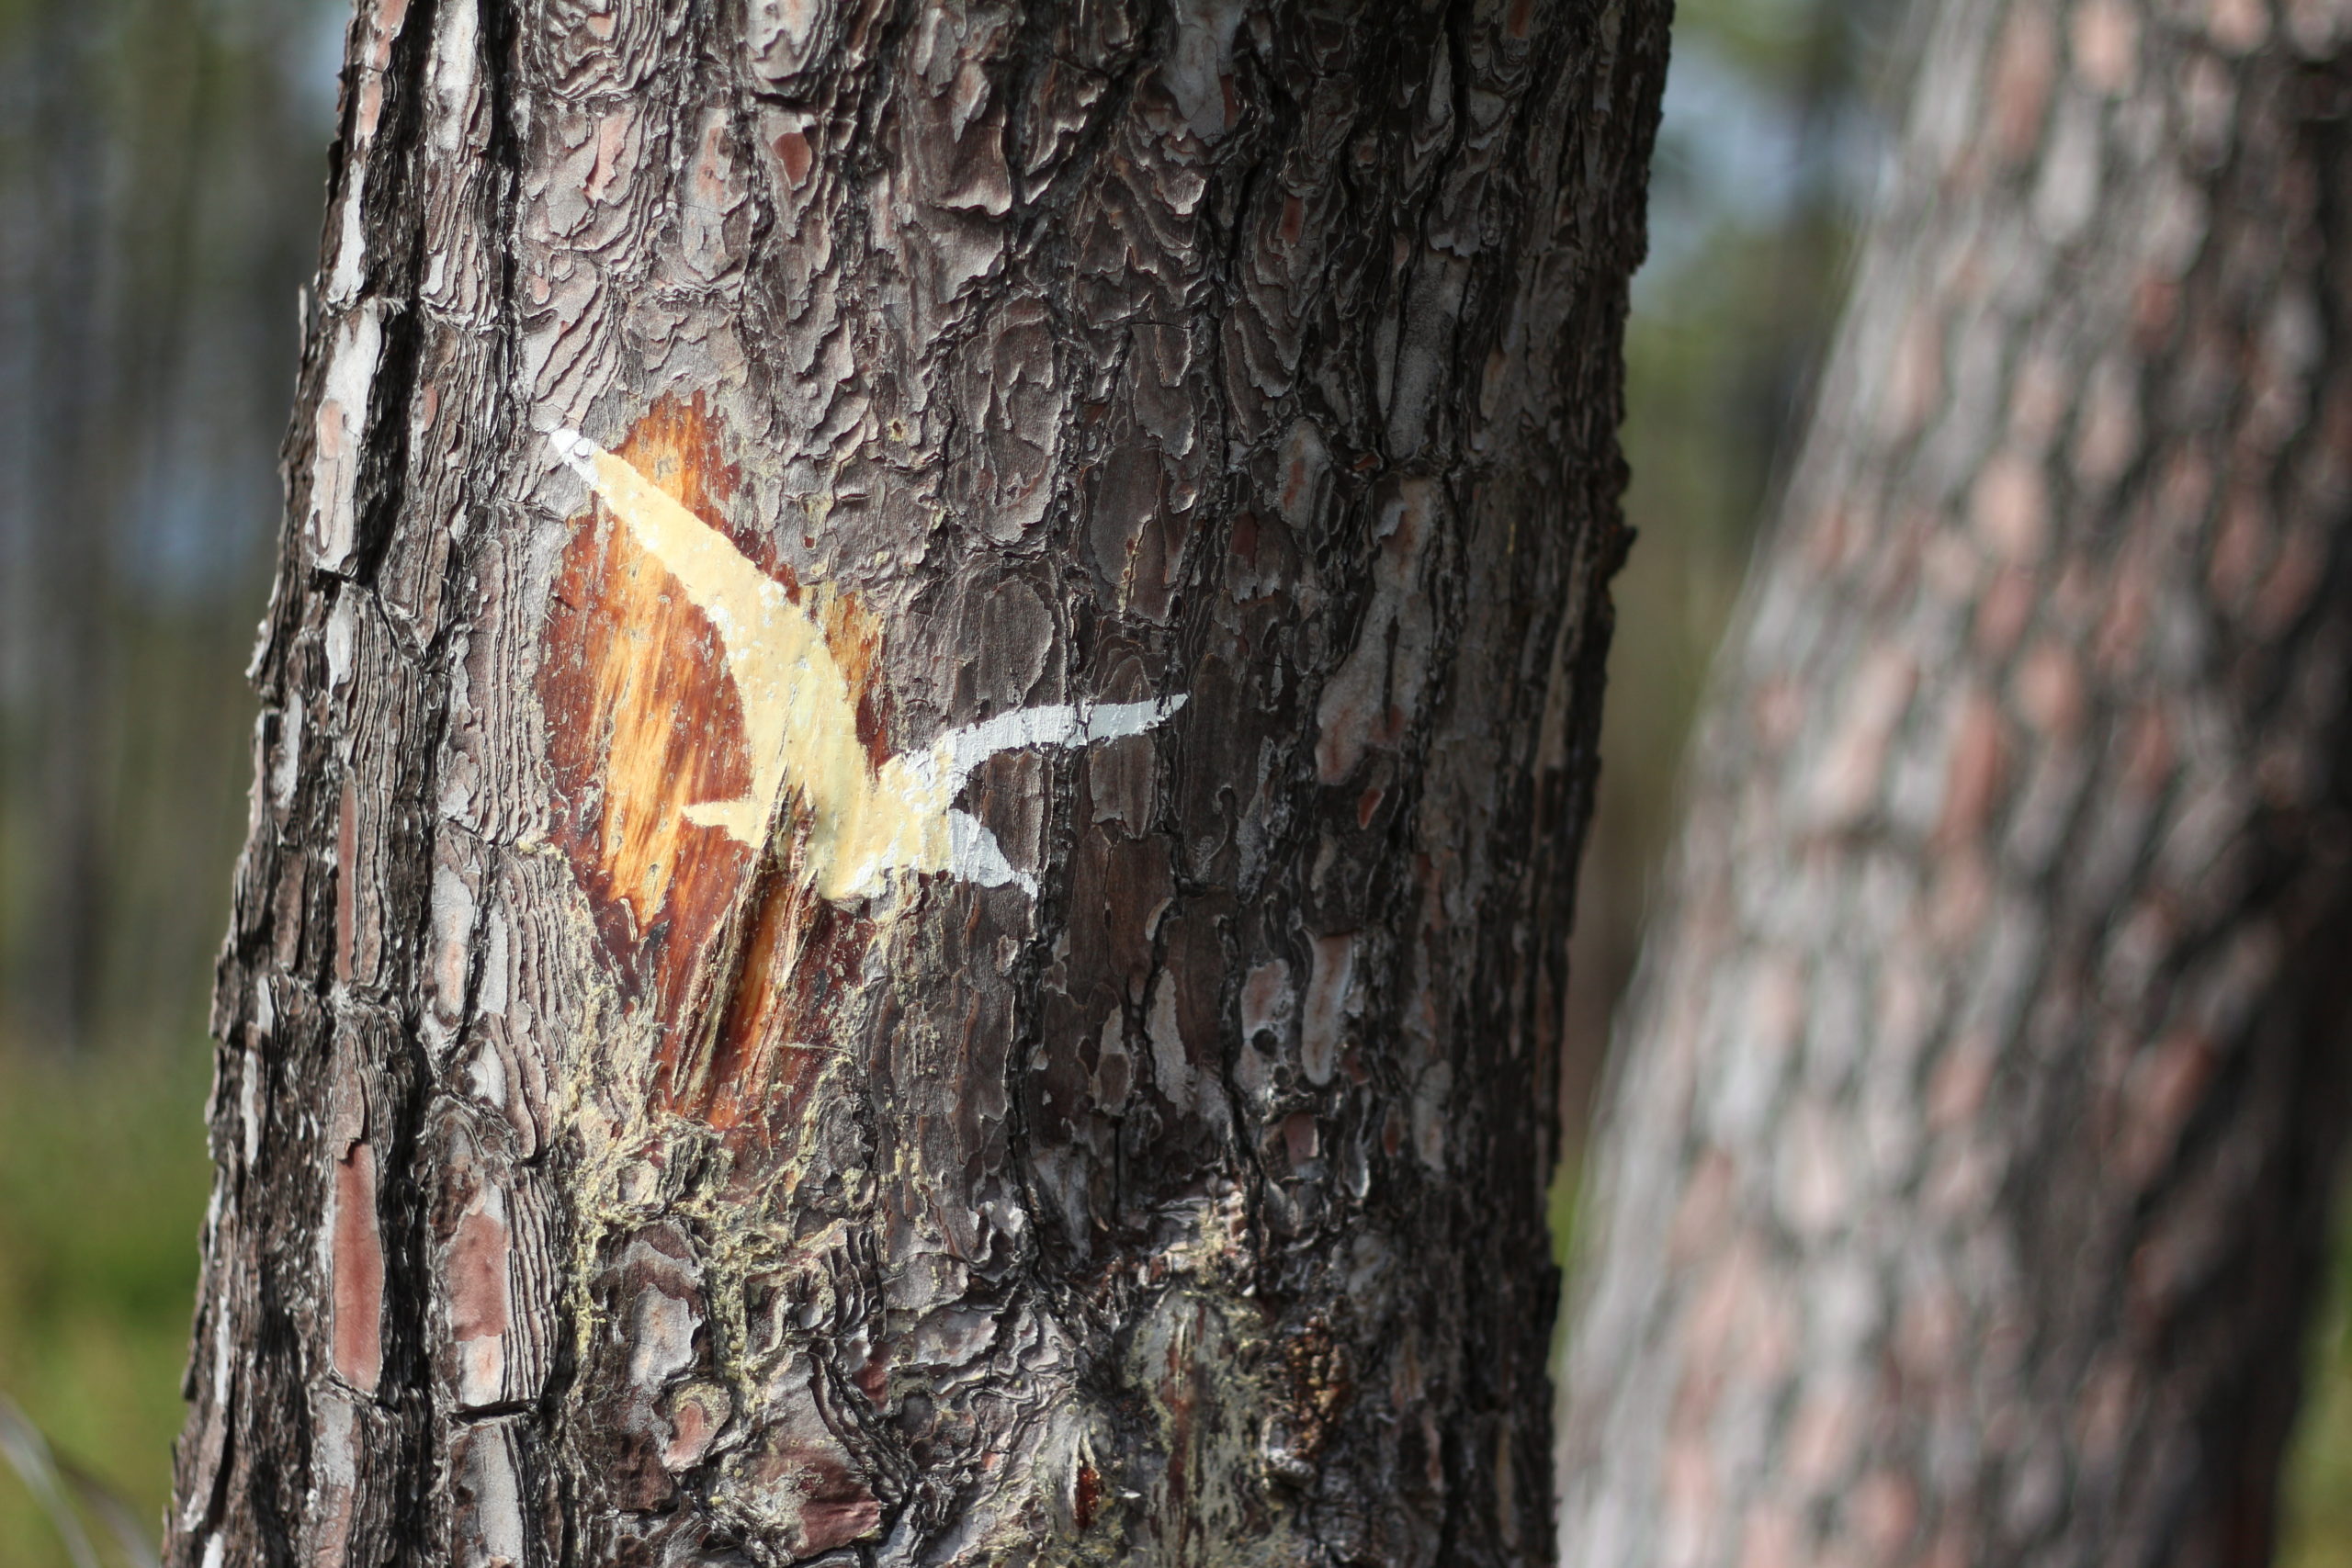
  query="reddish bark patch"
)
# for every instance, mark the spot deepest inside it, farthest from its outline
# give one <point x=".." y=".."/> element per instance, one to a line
<point x="1976" y="774"/>
<point x="357" y="1260"/>
<point x="477" y="1271"/>
<point x="834" y="1504"/>
<point x="793" y="152"/>
<point x="644" y="720"/>
<point x="2023" y="74"/>
<point x="873" y="1379"/>
<point x="839" y="1512"/>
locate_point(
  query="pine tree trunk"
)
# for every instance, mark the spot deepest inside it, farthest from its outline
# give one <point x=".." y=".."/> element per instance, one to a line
<point x="1962" y="1197"/>
<point x="925" y="721"/>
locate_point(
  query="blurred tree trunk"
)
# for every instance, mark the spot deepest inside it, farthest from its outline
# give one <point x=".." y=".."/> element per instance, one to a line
<point x="1961" y="1193"/>
<point x="66" y="502"/>
<point x="652" y="1126"/>
<point x="145" y="272"/>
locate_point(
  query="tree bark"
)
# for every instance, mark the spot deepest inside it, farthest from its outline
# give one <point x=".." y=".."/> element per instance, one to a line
<point x="925" y="721"/>
<point x="1962" y="1192"/>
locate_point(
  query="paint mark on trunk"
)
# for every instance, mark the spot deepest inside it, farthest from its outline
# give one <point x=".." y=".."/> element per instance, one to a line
<point x="798" y="717"/>
<point x="718" y="735"/>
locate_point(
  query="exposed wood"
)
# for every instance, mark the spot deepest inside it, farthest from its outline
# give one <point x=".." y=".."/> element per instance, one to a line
<point x="926" y="720"/>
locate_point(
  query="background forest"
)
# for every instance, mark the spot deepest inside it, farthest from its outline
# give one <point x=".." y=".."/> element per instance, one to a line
<point x="161" y="165"/>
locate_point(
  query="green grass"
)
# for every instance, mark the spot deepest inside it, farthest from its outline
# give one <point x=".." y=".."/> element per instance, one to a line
<point x="103" y="1180"/>
<point x="2317" y="1530"/>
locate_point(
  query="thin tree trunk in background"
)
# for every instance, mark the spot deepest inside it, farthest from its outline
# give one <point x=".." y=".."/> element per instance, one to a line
<point x="1962" y="1192"/>
<point x="925" y="723"/>
<point x="143" y="211"/>
<point x="65" y="513"/>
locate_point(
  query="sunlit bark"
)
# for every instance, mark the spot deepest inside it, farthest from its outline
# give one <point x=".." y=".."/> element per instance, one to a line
<point x="925" y="722"/>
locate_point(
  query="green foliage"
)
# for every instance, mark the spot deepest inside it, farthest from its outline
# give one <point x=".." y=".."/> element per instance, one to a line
<point x="103" y="1178"/>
